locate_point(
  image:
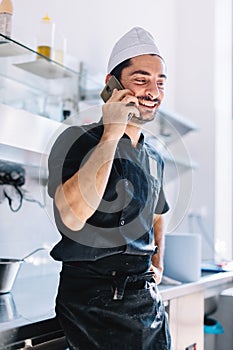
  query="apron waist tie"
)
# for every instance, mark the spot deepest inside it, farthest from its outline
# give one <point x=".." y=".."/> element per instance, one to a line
<point x="117" y="279"/>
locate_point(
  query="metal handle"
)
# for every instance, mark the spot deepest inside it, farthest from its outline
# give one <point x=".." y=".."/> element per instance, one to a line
<point x="34" y="251"/>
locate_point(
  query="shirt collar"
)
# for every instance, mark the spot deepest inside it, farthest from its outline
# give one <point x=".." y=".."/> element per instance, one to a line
<point x="140" y="141"/>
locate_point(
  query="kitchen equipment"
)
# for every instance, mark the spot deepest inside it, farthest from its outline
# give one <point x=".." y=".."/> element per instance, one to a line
<point x="9" y="269"/>
<point x="182" y="258"/>
<point x="224" y="315"/>
<point x="8" y="311"/>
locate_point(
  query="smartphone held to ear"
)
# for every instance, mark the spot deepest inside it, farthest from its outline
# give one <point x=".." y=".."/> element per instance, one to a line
<point x="106" y="93"/>
<point x="112" y="84"/>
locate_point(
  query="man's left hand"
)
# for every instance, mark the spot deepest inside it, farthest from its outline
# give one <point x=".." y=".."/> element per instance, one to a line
<point x="158" y="273"/>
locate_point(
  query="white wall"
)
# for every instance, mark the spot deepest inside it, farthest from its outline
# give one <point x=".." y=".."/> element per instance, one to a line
<point x="185" y="31"/>
<point x="194" y="98"/>
<point x="204" y="71"/>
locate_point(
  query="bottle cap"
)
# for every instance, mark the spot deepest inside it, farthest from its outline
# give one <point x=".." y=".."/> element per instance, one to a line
<point x="46" y="18"/>
<point x="6" y="6"/>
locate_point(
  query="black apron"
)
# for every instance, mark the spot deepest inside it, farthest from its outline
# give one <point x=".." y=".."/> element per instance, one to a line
<point x="105" y="309"/>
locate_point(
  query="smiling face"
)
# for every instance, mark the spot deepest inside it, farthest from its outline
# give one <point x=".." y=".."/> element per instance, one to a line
<point x="145" y="77"/>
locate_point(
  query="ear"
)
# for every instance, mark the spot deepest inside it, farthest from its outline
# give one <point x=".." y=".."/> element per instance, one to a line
<point x="108" y="76"/>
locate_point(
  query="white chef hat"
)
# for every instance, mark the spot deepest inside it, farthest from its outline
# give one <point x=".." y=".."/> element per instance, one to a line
<point x="134" y="43"/>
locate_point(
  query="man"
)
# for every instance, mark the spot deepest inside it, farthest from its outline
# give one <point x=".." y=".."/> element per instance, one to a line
<point x="107" y="186"/>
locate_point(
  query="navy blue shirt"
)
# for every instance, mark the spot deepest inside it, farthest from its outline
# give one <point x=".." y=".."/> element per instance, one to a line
<point x="123" y="222"/>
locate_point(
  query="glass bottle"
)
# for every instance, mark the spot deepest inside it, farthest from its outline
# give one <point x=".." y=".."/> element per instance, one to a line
<point x="6" y="12"/>
<point x="45" y="37"/>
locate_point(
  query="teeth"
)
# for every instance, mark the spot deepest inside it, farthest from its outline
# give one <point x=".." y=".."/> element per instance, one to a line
<point x="148" y="104"/>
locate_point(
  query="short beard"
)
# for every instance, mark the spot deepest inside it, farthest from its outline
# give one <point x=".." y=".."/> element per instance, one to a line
<point x="141" y="120"/>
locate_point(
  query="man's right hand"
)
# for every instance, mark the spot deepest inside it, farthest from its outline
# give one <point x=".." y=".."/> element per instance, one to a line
<point x="116" y="111"/>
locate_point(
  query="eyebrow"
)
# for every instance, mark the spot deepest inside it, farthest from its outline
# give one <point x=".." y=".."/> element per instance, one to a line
<point x="143" y="72"/>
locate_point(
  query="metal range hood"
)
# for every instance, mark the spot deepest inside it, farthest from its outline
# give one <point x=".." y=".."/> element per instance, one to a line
<point x="24" y="137"/>
<point x="169" y="126"/>
<point x="166" y="135"/>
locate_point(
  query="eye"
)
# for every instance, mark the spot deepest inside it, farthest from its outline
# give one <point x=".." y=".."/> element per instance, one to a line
<point x="161" y="84"/>
<point x="140" y="81"/>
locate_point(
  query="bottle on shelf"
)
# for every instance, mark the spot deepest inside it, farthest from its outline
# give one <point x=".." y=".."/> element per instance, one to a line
<point x="45" y="37"/>
<point x="6" y="12"/>
<point x="59" y="48"/>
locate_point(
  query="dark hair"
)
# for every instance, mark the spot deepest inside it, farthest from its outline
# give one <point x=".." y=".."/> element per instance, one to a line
<point x="118" y="69"/>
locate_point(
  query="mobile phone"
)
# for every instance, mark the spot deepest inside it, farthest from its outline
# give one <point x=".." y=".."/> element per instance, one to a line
<point x="112" y="84"/>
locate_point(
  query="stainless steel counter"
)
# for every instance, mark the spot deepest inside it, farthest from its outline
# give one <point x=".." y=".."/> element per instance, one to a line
<point x="209" y="282"/>
<point x="31" y="303"/>
<point x="31" y="300"/>
<point x="28" y="311"/>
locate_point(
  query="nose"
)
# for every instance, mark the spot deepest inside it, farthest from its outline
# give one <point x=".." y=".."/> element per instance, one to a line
<point x="152" y="91"/>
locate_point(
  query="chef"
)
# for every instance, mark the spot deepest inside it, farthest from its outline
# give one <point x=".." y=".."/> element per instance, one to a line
<point x="106" y="182"/>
